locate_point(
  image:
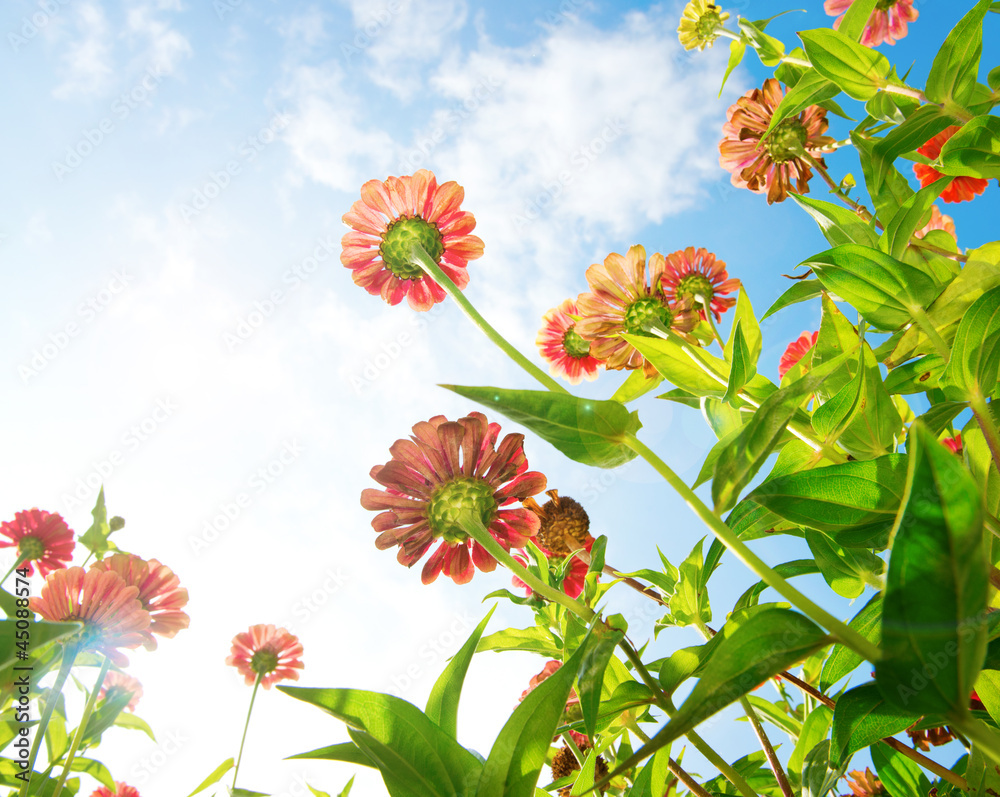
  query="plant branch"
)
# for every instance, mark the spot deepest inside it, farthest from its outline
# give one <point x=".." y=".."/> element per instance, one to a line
<point x="69" y="656"/>
<point x="246" y="727"/>
<point x="987" y="424"/>
<point x="84" y="721"/>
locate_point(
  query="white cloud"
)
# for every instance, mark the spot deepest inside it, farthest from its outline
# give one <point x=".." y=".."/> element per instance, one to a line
<point x="156" y="40"/>
<point x="87" y="60"/>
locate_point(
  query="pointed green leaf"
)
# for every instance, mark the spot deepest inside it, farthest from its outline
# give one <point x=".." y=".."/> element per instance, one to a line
<point x="916" y="376"/>
<point x="887" y="187"/>
<point x="933" y="616"/>
<point x="900" y="776"/>
<point x="442" y="703"/>
<point x="404" y="777"/>
<point x="854" y="21"/>
<point x="745" y="318"/>
<point x="688" y="367"/>
<point x="862" y="717"/>
<point x="913" y="215"/>
<point x="838" y="224"/>
<point x="842" y="659"/>
<point x="974" y="151"/>
<point x="744" y="367"/>
<point x="846" y="570"/>
<point x="637" y="384"/>
<point x="585" y="430"/>
<point x="814" y="731"/>
<point x="798" y="567"/>
<point x="535" y="639"/>
<point x="216" y="775"/>
<point x="975" y="356"/>
<point x="953" y="73"/>
<point x="860" y="71"/>
<point x="348" y="752"/>
<point x="811" y="89"/>
<point x="95" y="539"/>
<point x="689" y="603"/>
<point x="769" y="49"/>
<point x="604" y="640"/>
<point x="799" y="292"/>
<point x="737" y="49"/>
<point x="819" y="775"/>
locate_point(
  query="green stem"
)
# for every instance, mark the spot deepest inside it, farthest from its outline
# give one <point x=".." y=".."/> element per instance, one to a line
<point x="981" y="735"/>
<point x="69" y="656"/>
<point x="420" y="258"/>
<point x="920" y="243"/>
<point x="791" y="59"/>
<point x="246" y="727"/>
<point x="675" y="768"/>
<point x="84" y="721"/>
<point x="842" y="632"/>
<point x="987" y="424"/>
<point x="711" y="321"/>
<point x="473" y="526"/>
<point x="927" y="327"/>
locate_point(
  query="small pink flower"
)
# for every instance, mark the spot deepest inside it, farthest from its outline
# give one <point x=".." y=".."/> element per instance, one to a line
<point x="796" y="350"/>
<point x="567" y="354"/>
<point x="270" y="653"/>
<point x="121" y="790"/>
<point x="390" y="216"/>
<point x="691" y="273"/>
<point x="938" y="221"/>
<point x="886" y="24"/>
<point x="961" y="189"/>
<point x="447" y="468"/>
<point x="954" y="445"/>
<point x="116" y="682"/>
<point x="43" y="536"/>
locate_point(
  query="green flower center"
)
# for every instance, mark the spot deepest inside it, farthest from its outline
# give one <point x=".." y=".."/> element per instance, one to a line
<point x="32" y="547"/>
<point x="694" y="285"/>
<point x="575" y="346"/>
<point x="788" y="141"/>
<point x="264" y="661"/>
<point x="398" y="239"/>
<point x="452" y="499"/>
<point x="645" y="311"/>
<point x="885" y="5"/>
<point x="708" y="23"/>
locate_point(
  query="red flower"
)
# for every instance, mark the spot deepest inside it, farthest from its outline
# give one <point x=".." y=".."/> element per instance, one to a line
<point x="887" y="22"/>
<point x="567" y="354"/>
<point x="447" y="468"/>
<point x="159" y="592"/>
<point x="796" y="350"/>
<point x="691" y="273"/>
<point x="121" y="790"/>
<point x="116" y="682"/>
<point x="389" y="218"/>
<point x="954" y="444"/>
<point x="43" y="536"/>
<point x="268" y="653"/>
<point x="962" y="189"/>
<point x="109" y="609"/>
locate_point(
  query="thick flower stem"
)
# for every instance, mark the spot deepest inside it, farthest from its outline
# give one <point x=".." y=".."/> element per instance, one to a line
<point x="84" y="721"/>
<point x="473" y="526"/>
<point x="981" y="735"/>
<point x="987" y="424"/>
<point x="69" y="657"/>
<point x="246" y="727"/>
<point x="420" y="258"/>
<point x="841" y="631"/>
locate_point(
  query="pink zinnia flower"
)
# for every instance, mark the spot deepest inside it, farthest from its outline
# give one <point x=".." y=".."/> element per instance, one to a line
<point x="691" y="273"/>
<point x="624" y="297"/>
<point x="389" y="218"/>
<point x="796" y="350"/>
<point x="109" y="609"/>
<point x="954" y="445"/>
<point x="268" y="653"/>
<point x="121" y="790"/>
<point x="567" y="354"/>
<point x="43" y="536"/>
<point x="961" y="189"/>
<point x="116" y="682"/>
<point x="886" y="24"/>
<point x="159" y="592"/>
<point x="939" y="221"/>
<point x="447" y="468"/>
<point x="771" y="167"/>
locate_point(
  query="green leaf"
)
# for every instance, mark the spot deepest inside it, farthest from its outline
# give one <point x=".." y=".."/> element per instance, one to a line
<point x="975" y="355"/>
<point x="846" y="570"/>
<point x="95" y="539"/>
<point x="585" y="430"/>
<point x="681" y="665"/>
<point x="842" y="659"/>
<point x="892" y="108"/>
<point x="777" y="716"/>
<point x="853" y="25"/>
<point x="442" y="703"/>
<point x="838" y="224"/>
<point x="798" y="567"/>
<point x="885" y="291"/>
<point x="348" y="752"/>
<point x="832" y="417"/>
<point x="933" y="631"/>
<point x="769" y="49"/>
<point x="518" y="754"/>
<point x="913" y="215"/>
<point x="886" y="186"/>
<point x="346" y="791"/>
<point x="132" y="722"/>
<point x="534" y="639"/>
<point x="900" y="776"/>
<point x="818" y="774"/>
<point x="737" y="49"/>
<point x="974" y="151"/>
<point x="688" y="367"/>
<point x="862" y="717"/>
<point x="799" y="292"/>
<point x="917" y="376"/>
<point x="604" y="640"/>
<point x="814" y="731"/>
<point x="860" y="71"/>
<point x="745" y="319"/>
<point x="769" y="641"/>
<point x="744" y="368"/>
<point x="689" y="603"/>
<point x="811" y="89"/>
<point x="246" y="793"/>
<point x="104" y="717"/>
<point x="637" y="384"/>
<point x="953" y="74"/>
<point x="407" y="747"/>
<point x="216" y="775"/>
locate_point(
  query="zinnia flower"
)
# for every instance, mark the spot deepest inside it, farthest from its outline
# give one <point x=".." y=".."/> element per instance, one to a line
<point x="121" y="790"/>
<point x="445" y="469"/>
<point x="567" y="354"/>
<point x="773" y="166"/>
<point x="268" y="653"/>
<point x="159" y="593"/>
<point x="116" y="682"/>
<point x="109" y="609"/>
<point x="699" y="24"/>
<point x="624" y="297"/>
<point x="954" y="445"/>
<point x="961" y="189"/>
<point x="693" y="273"/>
<point x="886" y="24"/>
<point x="389" y="218"/>
<point x="796" y="350"/>
<point x="865" y="784"/>
<point x="43" y="536"/>
<point x="939" y="221"/>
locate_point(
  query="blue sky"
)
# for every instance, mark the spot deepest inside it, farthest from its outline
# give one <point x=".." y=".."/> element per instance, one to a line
<point x="177" y="323"/>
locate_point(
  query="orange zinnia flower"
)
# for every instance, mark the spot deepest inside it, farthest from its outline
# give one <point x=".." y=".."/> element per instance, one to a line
<point x="691" y="273"/>
<point x="962" y="189"/>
